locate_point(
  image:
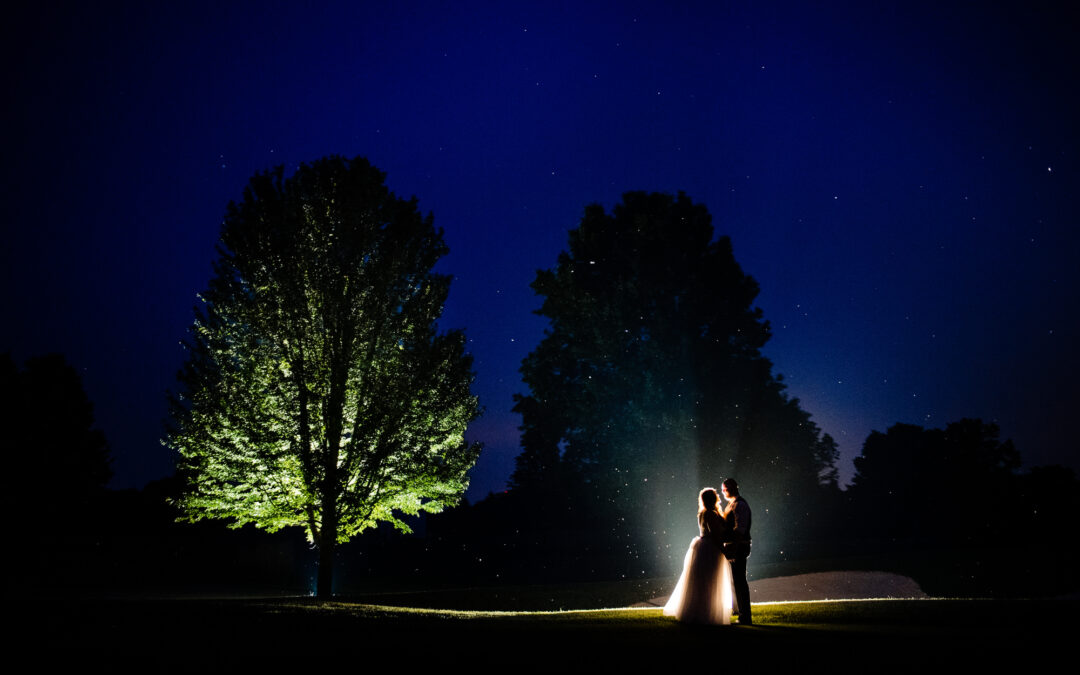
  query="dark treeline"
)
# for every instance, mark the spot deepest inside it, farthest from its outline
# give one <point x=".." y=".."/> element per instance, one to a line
<point x="948" y="507"/>
<point x="57" y="466"/>
<point x="75" y="534"/>
<point x="648" y="384"/>
<point x="951" y="507"/>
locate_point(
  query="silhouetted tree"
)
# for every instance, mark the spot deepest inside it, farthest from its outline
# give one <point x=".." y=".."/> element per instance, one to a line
<point x="318" y="392"/>
<point x="49" y="440"/>
<point x="957" y="474"/>
<point x="826" y="455"/>
<point x="57" y="465"/>
<point x="650" y="382"/>
<point x="1051" y="499"/>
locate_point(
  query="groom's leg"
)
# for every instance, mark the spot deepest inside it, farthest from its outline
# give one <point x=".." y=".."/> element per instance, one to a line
<point x="742" y="588"/>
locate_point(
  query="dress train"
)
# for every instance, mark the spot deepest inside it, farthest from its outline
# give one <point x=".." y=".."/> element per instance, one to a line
<point x="703" y="593"/>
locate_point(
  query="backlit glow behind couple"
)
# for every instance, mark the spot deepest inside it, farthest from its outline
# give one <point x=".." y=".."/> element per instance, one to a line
<point x="714" y="560"/>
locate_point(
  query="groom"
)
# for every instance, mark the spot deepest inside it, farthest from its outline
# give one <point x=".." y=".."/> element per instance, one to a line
<point x="737" y="514"/>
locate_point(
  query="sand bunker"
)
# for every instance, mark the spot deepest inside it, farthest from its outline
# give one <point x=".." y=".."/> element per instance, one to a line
<point x="828" y="586"/>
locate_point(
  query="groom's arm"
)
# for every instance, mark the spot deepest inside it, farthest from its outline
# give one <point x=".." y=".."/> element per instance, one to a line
<point x="742" y="521"/>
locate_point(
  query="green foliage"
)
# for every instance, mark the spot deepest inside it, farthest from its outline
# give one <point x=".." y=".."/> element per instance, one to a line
<point x="318" y="392"/>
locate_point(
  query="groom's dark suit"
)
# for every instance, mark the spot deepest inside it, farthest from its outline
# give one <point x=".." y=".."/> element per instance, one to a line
<point x="737" y="515"/>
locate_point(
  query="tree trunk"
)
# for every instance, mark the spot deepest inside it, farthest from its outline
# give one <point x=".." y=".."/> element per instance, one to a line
<point x="333" y="421"/>
<point x="324" y="589"/>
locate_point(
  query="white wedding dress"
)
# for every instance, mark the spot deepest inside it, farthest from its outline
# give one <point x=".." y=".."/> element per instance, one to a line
<point x="703" y="592"/>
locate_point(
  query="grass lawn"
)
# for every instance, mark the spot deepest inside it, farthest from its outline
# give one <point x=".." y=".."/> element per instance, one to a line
<point x="282" y="633"/>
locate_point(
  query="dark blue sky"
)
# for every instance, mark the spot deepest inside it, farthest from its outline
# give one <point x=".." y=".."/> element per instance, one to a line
<point x="900" y="178"/>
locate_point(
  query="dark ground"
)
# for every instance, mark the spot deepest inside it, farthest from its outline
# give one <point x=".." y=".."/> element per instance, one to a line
<point x="180" y="634"/>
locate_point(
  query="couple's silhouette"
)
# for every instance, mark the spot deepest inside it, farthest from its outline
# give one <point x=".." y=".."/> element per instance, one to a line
<point x="715" y="561"/>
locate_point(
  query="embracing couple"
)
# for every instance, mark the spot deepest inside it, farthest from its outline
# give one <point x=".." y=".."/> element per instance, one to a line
<point x="714" y="559"/>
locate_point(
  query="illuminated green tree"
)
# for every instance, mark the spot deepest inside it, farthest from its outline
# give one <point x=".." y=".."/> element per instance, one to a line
<point x="318" y="392"/>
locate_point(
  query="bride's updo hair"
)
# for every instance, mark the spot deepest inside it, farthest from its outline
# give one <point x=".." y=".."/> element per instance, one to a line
<point x="708" y="499"/>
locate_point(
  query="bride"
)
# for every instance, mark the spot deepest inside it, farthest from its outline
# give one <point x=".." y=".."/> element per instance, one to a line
<point x="703" y="593"/>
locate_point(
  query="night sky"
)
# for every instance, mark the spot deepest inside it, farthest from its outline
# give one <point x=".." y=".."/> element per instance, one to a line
<point x="900" y="178"/>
